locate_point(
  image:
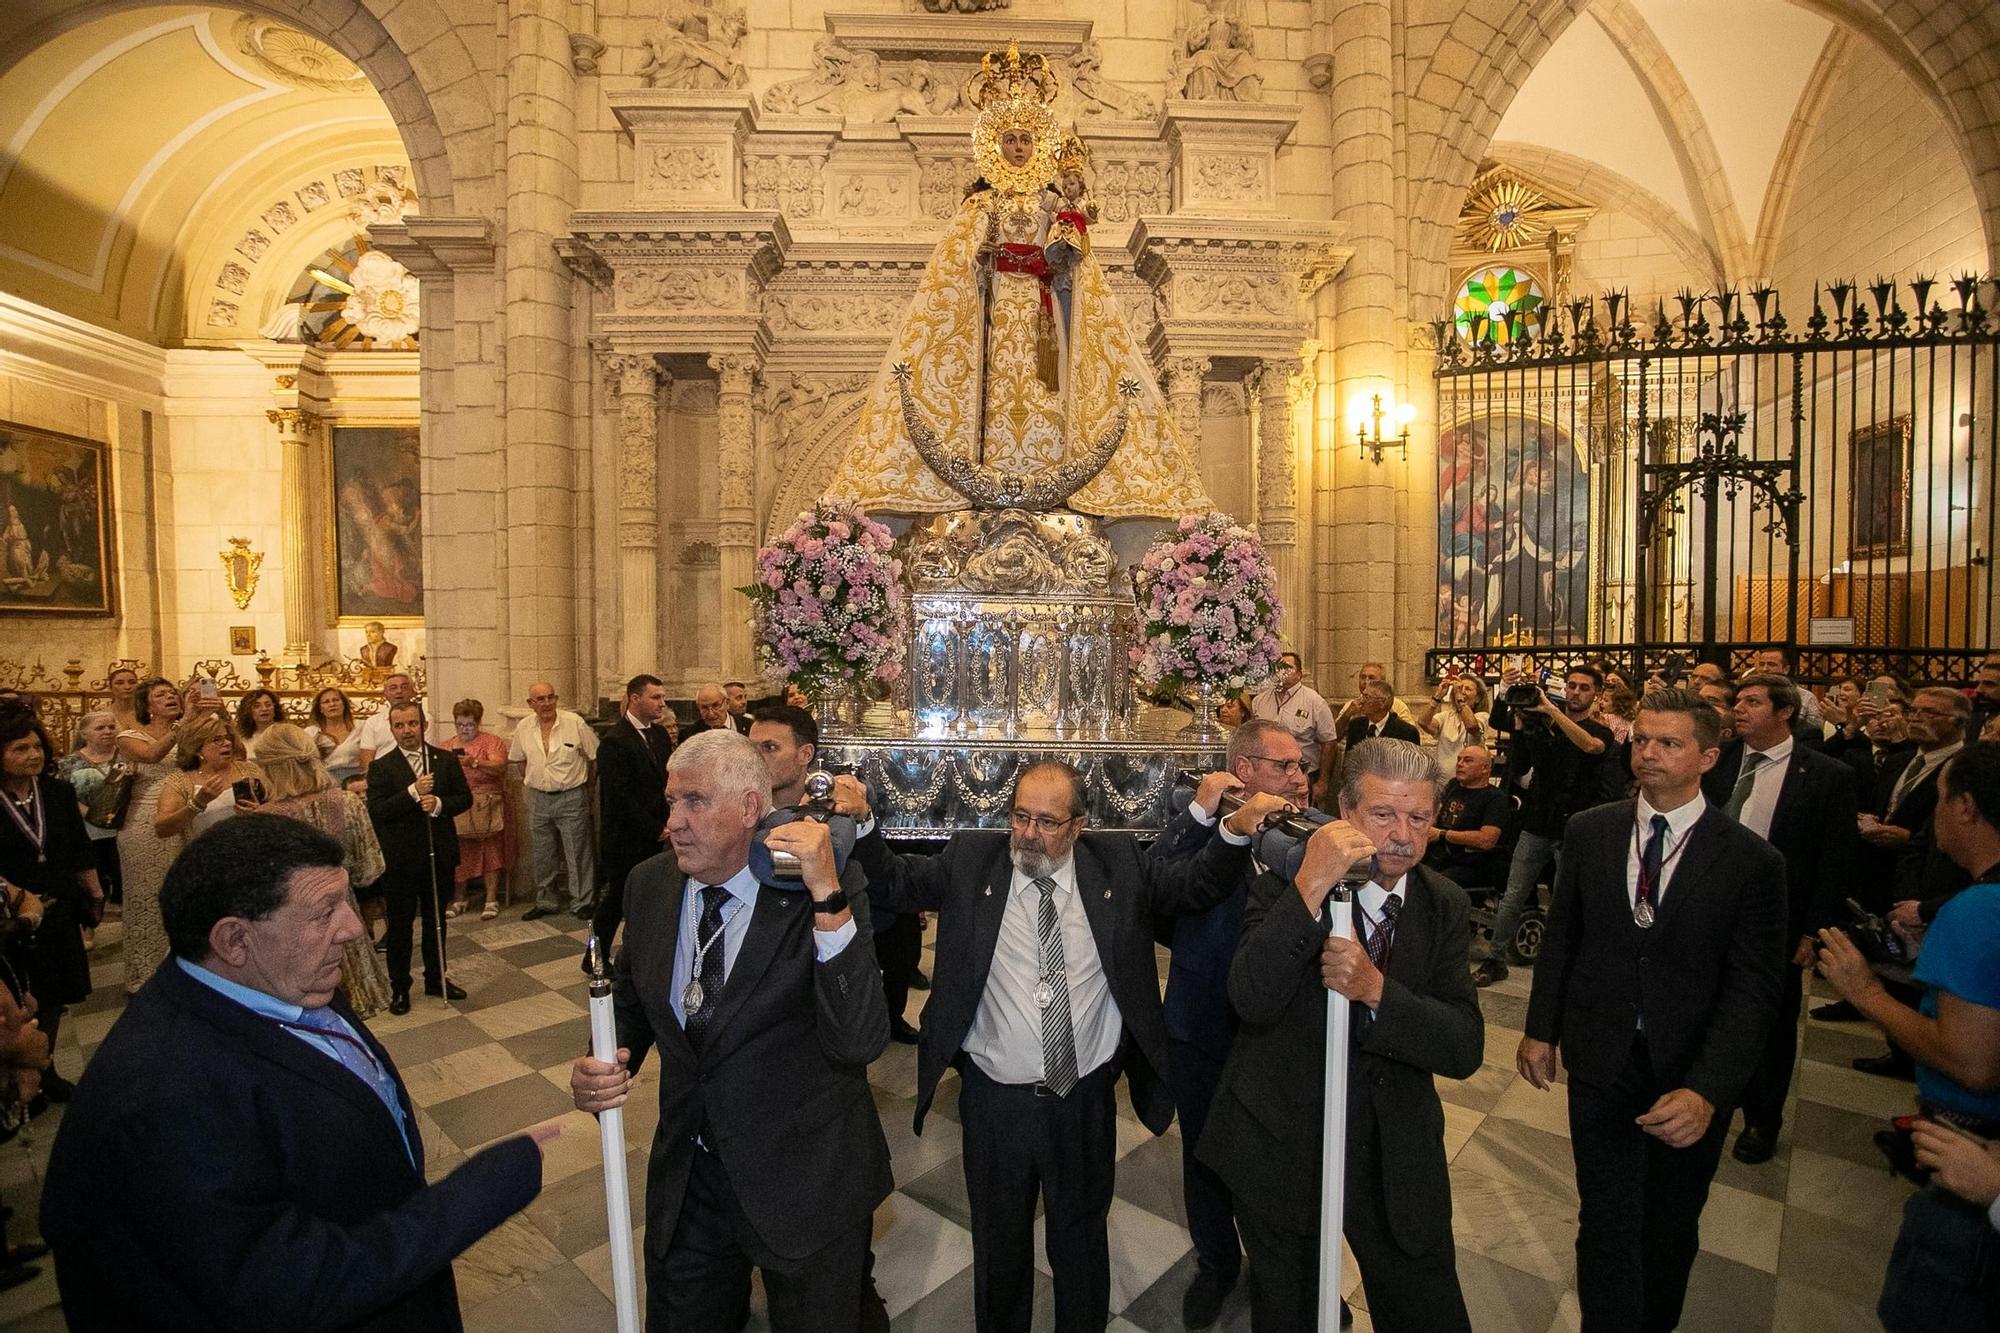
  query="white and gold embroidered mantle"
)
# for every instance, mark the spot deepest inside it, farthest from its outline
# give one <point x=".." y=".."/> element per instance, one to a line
<point x="1026" y="426"/>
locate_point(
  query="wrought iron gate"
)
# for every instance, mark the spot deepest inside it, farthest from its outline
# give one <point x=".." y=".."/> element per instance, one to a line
<point x="1706" y="480"/>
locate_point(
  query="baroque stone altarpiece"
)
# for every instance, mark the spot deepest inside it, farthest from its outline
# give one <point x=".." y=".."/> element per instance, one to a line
<point x="744" y="294"/>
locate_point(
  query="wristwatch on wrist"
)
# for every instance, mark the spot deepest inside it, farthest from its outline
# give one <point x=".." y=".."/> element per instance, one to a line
<point x="833" y="904"/>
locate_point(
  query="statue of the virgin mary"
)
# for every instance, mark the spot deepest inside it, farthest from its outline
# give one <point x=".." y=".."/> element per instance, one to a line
<point x="1015" y="349"/>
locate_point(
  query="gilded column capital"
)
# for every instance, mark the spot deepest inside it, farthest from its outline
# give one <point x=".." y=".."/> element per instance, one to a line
<point x="295" y="425"/>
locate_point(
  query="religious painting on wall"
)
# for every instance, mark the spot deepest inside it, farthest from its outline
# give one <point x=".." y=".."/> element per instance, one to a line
<point x="377" y="561"/>
<point x="1513" y="534"/>
<point x="1881" y="459"/>
<point x="55" y="524"/>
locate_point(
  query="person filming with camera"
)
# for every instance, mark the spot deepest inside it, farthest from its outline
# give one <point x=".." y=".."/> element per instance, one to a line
<point x="1561" y="748"/>
<point x="1944" y="1273"/>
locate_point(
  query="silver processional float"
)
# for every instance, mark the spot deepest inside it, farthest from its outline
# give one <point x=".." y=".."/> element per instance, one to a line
<point x="1019" y="635"/>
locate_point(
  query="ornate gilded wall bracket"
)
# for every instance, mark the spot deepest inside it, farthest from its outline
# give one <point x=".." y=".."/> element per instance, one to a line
<point x="239" y="570"/>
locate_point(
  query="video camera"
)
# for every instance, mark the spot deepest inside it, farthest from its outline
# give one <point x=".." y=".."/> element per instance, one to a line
<point x="1280" y="841"/>
<point x="780" y="869"/>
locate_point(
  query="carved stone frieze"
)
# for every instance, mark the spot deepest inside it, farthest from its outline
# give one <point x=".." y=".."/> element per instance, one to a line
<point x="1129" y="187"/>
<point x="941" y="183"/>
<point x="1231" y="288"/>
<point x="640" y="290"/>
<point x="834" y="312"/>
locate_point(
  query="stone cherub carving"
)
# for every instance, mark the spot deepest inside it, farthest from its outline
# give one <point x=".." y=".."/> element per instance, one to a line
<point x="1089" y="94"/>
<point x="696" y="44"/>
<point x="1215" y="58"/>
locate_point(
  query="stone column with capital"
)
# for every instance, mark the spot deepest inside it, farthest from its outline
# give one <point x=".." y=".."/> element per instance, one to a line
<point x="736" y="533"/>
<point x="297" y="429"/>
<point x="1356" y="579"/>
<point x="1184" y="381"/>
<point x="1277" y="486"/>
<point x="636" y="382"/>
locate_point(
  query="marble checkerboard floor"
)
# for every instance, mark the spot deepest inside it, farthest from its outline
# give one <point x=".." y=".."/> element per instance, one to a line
<point x="1796" y="1244"/>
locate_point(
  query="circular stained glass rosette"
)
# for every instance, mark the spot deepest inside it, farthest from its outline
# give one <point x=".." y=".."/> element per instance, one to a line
<point x="1500" y="304"/>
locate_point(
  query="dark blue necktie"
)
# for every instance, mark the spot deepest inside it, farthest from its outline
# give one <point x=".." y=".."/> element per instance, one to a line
<point x="1652" y="860"/>
<point x="709" y="946"/>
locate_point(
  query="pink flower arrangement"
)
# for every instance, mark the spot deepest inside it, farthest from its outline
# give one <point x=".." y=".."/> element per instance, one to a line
<point x="1208" y="603"/>
<point x="829" y="601"/>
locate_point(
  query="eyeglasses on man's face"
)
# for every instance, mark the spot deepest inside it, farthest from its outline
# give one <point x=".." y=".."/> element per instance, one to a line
<point x="1284" y="766"/>
<point x="1024" y="821"/>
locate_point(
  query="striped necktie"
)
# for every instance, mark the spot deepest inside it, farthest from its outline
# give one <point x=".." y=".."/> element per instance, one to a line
<point x="1058" y="1036"/>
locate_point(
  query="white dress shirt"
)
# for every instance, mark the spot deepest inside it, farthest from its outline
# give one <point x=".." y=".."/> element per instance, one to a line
<point x="1006" y="1036"/>
<point x="1765" y="787"/>
<point x="1680" y="823"/>
<point x="419" y="762"/>
<point x="562" y="762"/>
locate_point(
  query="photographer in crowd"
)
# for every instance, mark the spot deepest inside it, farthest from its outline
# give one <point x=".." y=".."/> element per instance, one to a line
<point x="1944" y="1275"/>
<point x="1562" y="750"/>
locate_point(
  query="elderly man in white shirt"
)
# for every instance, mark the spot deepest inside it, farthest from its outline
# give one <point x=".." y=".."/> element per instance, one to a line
<point x="557" y="751"/>
<point x="373" y="736"/>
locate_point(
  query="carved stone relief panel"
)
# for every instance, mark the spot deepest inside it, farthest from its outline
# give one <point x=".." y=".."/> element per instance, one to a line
<point x="683" y="173"/>
<point x="793" y="184"/>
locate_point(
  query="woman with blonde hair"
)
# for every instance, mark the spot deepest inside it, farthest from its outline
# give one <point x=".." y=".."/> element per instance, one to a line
<point x="300" y="788"/>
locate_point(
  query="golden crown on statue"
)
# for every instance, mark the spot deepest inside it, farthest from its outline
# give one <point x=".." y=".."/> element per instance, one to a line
<point x="1013" y="93"/>
<point x="1074" y="155"/>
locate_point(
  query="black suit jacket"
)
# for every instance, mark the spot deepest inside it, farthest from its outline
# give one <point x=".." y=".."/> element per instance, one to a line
<point x="1121" y="888"/>
<point x="406" y="833"/>
<point x="1393" y="729"/>
<point x="215" y="1172"/>
<point x="1197" y="1001"/>
<point x="632" y="792"/>
<point x="1813" y="828"/>
<point x="780" y="1089"/>
<point x="1705" y="976"/>
<point x="1264" y="1130"/>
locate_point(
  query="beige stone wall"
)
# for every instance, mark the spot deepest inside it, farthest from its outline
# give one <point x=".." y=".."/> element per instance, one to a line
<point x="1879" y="189"/>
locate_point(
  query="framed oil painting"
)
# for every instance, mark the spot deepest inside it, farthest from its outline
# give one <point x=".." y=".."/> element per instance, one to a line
<point x="377" y="560"/>
<point x="55" y="524"/>
<point x="1881" y="455"/>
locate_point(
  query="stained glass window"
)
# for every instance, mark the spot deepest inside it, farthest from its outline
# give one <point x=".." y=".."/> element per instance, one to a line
<point x="1501" y="303"/>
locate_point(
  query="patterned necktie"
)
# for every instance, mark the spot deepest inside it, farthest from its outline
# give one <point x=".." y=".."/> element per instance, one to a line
<point x="1381" y="934"/>
<point x="354" y="1055"/>
<point x="1058" y="1037"/>
<point x="1651" y="862"/>
<point x="1746" y="781"/>
<point x="708" y="946"/>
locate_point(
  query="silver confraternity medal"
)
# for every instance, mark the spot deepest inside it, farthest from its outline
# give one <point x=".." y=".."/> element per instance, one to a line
<point x="1642" y="914"/>
<point x="1045" y="994"/>
<point x="692" y="997"/>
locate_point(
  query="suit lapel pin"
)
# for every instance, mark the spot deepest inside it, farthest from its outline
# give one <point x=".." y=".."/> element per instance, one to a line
<point x="1107" y="895"/>
<point x="989" y="890"/>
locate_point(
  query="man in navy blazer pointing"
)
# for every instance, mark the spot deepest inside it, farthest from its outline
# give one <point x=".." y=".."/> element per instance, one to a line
<point x="242" y="1152"/>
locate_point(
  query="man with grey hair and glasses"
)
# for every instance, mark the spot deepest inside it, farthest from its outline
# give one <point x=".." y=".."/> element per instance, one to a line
<point x="1044" y="992"/>
<point x="1415" y="1018"/>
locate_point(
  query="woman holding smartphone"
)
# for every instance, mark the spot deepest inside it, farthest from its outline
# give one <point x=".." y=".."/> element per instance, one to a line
<point x="211" y="784"/>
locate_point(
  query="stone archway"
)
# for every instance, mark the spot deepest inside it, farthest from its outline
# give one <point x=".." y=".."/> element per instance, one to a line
<point x="411" y="52"/>
<point x="1492" y="46"/>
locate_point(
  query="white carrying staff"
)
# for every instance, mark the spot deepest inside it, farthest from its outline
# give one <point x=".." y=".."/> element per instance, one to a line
<point x="611" y="1134"/>
<point x="1333" y="1157"/>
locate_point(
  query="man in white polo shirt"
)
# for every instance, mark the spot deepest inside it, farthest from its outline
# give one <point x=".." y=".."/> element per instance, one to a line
<point x="556" y="750"/>
<point x="1301" y="710"/>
